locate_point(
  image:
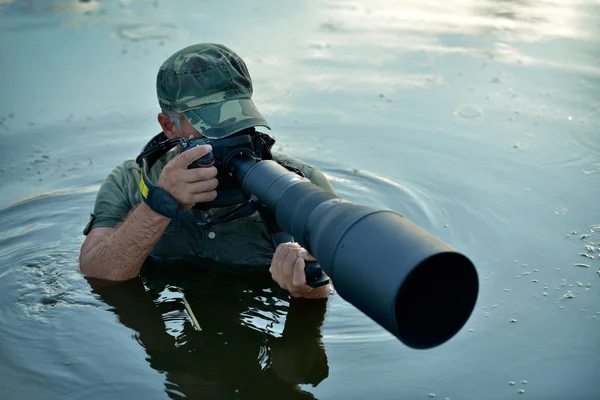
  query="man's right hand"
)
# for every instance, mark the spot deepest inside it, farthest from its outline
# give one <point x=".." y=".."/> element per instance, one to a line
<point x="189" y="186"/>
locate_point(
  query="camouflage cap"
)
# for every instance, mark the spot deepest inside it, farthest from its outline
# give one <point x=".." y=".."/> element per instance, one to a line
<point x="210" y="85"/>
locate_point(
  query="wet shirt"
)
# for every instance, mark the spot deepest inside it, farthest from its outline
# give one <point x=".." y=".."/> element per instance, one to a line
<point x="243" y="241"/>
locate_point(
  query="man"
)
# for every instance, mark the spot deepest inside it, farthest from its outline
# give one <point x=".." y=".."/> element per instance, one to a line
<point x="202" y="89"/>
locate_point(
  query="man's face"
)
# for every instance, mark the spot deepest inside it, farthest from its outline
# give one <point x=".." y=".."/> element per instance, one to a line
<point x="183" y="129"/>
<point x="187" y="129"/>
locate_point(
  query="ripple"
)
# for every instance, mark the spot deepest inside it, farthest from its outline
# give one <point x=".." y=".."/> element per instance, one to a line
<point x="595" y="228"/>
<point x="144" y="32"/>
<point x="367" y="188"/>
<point x="578" y="136"/>
<point x="39" y="251"/>
<point x="49" y="279"/>
<point x="51" y="14"/>
<point x="52" y="197"/>
<point x="21" y="230"/>
<point x="50" y="7"/>
<point x="347" y="326"/>
<point x="468" y="111"/>
<point x="592" y="169"/>
<point x="359" y="338"/>
<point x="584" y="146"/>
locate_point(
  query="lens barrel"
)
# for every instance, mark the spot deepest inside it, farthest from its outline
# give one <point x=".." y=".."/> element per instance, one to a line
<point x="411" y="283"/>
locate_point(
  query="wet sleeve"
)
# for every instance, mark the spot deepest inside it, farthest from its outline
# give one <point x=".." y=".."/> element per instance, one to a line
<point x="116" y="197"/>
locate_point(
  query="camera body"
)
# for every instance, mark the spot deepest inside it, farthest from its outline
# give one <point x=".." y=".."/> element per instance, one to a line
<point x="245" y="143"/>
<point x="203" y="162"/>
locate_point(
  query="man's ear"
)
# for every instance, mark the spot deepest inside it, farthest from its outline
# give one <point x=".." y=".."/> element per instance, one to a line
<point x="168" y="127"/>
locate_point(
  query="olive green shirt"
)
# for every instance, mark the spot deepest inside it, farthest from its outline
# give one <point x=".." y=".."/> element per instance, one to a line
<point x="243" y="241"/>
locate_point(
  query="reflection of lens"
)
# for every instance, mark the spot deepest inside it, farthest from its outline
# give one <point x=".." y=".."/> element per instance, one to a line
<point x="409" y="282"/>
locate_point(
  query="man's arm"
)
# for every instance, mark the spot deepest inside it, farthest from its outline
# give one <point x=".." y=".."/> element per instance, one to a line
<point x="118" y="253"/>
<point x="287" y="269"/>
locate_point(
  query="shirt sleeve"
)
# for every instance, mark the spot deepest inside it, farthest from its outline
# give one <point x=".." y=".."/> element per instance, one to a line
<point x="117" y="196"/>
<point x="319" y="179"/>
<point x="311" y="173"/>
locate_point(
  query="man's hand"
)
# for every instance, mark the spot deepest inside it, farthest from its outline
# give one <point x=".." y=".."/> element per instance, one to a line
<point x="189" y="186"/>
<point x="287" y="269"/>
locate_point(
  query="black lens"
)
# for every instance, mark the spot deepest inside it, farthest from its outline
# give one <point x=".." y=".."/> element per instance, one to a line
<point x="411" y="283"/>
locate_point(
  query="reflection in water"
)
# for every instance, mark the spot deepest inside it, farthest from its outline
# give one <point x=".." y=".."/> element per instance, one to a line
<point x="536" y="20"/>
<point x="510" y="9"/>
<point x="53" y="6"/>
<point x="448" y="27"/>
<point x="486" y="112"/>
<point x="84" y="13"/>
<point x="238" y="351"/>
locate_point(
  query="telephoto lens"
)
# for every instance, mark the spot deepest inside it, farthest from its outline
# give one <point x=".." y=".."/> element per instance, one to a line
<point x="411" y="283"/>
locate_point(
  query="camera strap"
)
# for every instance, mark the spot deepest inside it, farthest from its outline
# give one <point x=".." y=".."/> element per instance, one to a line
<point x="161" y="201"/>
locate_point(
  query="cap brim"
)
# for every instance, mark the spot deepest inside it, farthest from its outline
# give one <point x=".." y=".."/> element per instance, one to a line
<point x="219" y="120"/>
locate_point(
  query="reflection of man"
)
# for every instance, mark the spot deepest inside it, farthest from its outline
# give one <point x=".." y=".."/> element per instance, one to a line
<point x="235" y="355"/>
<point x="203" y="90"/>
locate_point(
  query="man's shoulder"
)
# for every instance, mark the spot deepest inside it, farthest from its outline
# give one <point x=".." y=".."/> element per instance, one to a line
<point x="123" y="179"/>
<point x="291" y="162"/>
<point x="117" y="195"/>
<point x="309" y="171"/>
<point x="124" y="172"/>
<point x="126" y="166"/>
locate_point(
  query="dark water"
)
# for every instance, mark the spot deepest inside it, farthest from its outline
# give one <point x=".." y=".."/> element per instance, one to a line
<point x="478" y="120"/>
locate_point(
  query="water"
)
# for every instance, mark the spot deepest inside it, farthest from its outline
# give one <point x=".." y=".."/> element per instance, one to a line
<point x="478" y="120"/>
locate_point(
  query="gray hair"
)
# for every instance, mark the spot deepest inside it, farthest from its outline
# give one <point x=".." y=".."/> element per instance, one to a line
<point x="175" y="118"/>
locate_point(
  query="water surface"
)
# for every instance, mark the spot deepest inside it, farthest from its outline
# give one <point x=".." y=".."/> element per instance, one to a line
<point x="477" y="120"/>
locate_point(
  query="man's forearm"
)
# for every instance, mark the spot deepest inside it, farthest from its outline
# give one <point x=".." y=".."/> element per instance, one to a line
<point x="120" y="255"/>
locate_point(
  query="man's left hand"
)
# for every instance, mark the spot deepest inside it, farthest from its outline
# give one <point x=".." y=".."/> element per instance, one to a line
<point x="287" y="269"/>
